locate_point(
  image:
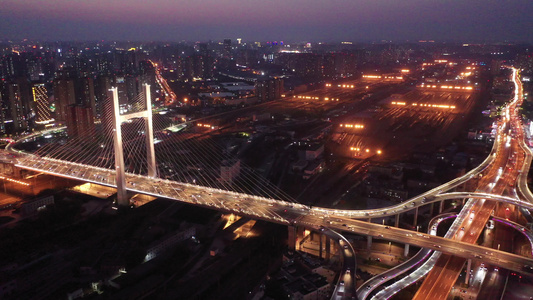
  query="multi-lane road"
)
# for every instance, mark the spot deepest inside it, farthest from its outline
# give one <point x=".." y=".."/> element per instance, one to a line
<point x="373" y="283"/>
<point x="301" y="215"/>
<point x="500" y="177"/>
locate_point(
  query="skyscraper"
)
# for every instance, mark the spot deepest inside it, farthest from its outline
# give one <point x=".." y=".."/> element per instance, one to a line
<point x="102" y="86"/>
<point x="85" y="93"/>
<point x="41" y="104"/>
<point x="18" y="106"/>
<point x="227" y="48"/>
<point x="64" y="94"/>
<point x="80" y="121"/>
<point x="2" y="112"/>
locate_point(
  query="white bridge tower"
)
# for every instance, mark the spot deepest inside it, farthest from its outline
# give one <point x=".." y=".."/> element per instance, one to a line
<point x="122" y="197"/>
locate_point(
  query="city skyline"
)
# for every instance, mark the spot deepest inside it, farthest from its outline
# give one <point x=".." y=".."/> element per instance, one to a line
<point x="164" y="20"/>
<point x="300" y="149"/>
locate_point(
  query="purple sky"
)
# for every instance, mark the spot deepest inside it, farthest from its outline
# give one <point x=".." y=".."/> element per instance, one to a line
<point x="296" y="20"/>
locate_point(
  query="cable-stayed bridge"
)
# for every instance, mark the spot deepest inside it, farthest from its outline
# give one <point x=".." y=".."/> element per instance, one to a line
<point x="188" y="170"/>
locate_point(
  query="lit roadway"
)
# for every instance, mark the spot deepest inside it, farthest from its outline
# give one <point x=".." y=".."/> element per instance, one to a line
<point x="170" y="96"/>
<point x="277" y="211"/>
<point x="428" y="265"/>
<point x="524" y="230"/>
<point x="522" y="158"/>
<point x="370" y="285"/>
<point x="501" y="175"/>
<point x="297" y="214"/>
<point x="345" y="287"/>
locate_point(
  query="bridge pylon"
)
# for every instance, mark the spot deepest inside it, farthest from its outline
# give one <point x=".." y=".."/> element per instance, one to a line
<point x="122" y="197"/>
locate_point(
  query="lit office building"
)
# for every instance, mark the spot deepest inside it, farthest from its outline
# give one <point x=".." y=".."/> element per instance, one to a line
<point x="41" y="104"/>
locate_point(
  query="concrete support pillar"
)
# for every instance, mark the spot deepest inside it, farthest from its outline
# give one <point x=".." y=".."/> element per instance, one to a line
<point x="369" y="220"/>
<point x="415" y="217"/>
<point x="292" y="237"/>
<point x="369" y="242"/>
<point x="320" y="245"/>
<point x="16" y="173"/>
<point x="150" y="151"/>
<point x="122" y="196"/>
<point x="397" y="221"/>
<point x="441" y="206"/>
<point x="468" y="268"/>
<point x="406" y="250"/>
<point x="328" y="248"/>
<point x="431" y="207"/>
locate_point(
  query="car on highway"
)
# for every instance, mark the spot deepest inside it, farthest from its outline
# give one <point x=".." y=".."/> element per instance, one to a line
<point x="528" y="268"/>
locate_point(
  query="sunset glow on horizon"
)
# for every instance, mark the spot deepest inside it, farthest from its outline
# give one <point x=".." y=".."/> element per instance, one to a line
<point x="277" y="19"/>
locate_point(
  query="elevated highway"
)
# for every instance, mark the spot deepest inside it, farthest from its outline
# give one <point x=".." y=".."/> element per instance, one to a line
<point x="295" y="214"/>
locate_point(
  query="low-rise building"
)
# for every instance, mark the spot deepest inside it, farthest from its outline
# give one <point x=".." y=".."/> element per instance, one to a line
<point x="313" y="168"/>
<point x="33" y="207"/>
<point x="170" y="241"/>
<point x="230" y="170"/>
<point x="310" y="151"/>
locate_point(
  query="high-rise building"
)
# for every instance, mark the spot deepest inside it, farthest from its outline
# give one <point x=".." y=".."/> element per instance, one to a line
<point x="18" y="106"/>
<point x="269" y="89"/>
<point x="36" y="68"/>
<point x="41" y="104"/>
<point x="64" y="95"/>
<point x="85" y="93"/>
<point x="2" y="112"/>
<point x="80" y="121"/>
<point x="122" y="88"/>
<point x="304" y="65"/>
<point x="227" y="48"/>
<point x="104" y="63"/>
<point x="132" y="88"/>
<point x="102" y="86"/>
<point x="200" y="65"/>
<point x="13" y="66"/>
<point x="495" y="67"/>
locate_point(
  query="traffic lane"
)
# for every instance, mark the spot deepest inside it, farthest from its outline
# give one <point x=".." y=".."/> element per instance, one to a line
<point x="499" y="258"/>
<point x="370" y="285"/>
<point x="347" y="275"/>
